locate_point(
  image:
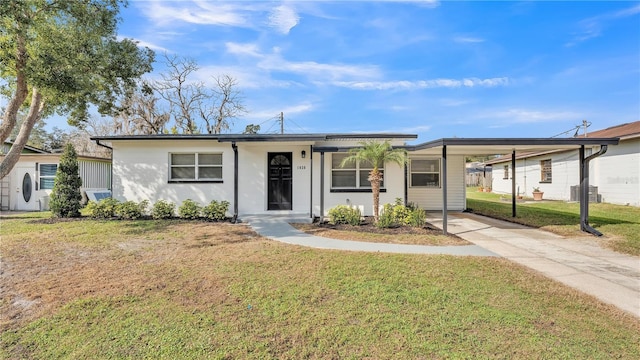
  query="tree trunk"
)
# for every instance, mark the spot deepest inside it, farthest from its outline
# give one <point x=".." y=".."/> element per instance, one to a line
<point x="12" y="157"/>
<point x="375" y="178"/>
<point x="10" y="115"/>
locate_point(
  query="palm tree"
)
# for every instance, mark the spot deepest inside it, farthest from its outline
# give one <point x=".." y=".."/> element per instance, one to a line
<point x="376" y="154"/>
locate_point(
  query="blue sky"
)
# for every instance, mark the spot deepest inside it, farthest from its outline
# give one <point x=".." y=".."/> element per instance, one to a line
<point x="436" y="69"/>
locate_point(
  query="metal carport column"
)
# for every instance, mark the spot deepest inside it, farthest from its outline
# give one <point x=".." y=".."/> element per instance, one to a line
<point x="444" y="189"/>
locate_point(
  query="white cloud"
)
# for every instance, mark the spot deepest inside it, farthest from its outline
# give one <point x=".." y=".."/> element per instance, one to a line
<point x="423" y="84"/>
<point x="243" y="49"/>
<point x="319" y="73"/>
<point x="593" y="27"/>
<point x="315" y="70"/>
<point x="195" y="12"/>
<point x="271" y="112"/>
<point x="243" y="14"/>
<point x="143" y="43"/>
<point x="523" y="116"/>
<point x="426" y="3"/>
<point x="454" y="102"/>
<point x="283" y="18"/>
<point x="468" y="39"/>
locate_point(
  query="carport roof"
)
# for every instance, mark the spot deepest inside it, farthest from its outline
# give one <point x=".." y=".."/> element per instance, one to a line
<point x="492" y="146"/>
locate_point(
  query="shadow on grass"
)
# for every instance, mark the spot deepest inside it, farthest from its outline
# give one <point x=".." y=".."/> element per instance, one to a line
<point x="536" y="216"/>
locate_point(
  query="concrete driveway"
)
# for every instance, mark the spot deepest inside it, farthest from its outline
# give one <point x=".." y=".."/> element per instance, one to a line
<point x="609" y="276"/>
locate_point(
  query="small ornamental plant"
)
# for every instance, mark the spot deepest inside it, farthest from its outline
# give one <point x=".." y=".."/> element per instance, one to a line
<point x="163" y="210"/>
<point x="130" y="210"/>
<point x="216" y="211"/>
<point x="189" y="210"/>
<point x="343" y="214"/>
<point x="103" y="209"/>
<point x="65" y="196"/>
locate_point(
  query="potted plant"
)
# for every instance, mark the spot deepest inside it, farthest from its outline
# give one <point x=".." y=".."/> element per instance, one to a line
<point x="537" y="194"/>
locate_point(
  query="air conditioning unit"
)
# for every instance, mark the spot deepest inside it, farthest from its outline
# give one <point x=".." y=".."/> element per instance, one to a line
<point x="593" y="194"/>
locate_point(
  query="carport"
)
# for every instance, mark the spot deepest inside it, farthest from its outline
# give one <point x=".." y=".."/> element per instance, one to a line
<point x="492" y="146"/>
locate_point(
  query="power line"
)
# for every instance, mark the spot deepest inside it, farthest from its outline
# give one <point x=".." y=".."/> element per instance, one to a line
<point x="585" y="125"/>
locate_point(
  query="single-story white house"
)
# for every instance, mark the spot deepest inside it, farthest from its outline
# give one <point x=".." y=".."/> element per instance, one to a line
<point x="615" y="175"/>
<point x="28" y="186"/>
<point x="299" y="174"/>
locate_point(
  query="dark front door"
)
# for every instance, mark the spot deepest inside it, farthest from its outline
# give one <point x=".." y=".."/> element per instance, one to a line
<point x="280" y="181"/>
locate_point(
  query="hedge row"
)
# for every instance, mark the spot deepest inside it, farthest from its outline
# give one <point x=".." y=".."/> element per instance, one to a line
<point x="130" y="210"/>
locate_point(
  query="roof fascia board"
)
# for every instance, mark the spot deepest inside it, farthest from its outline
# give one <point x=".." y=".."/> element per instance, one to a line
<point x="513" y="142"/>
<point x="257" y="137"/>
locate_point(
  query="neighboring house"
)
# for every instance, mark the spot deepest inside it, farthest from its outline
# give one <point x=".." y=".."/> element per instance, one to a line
<point x="614" y="176"/>
<point x="298" y="174"/>
<point x="29" y="184"/>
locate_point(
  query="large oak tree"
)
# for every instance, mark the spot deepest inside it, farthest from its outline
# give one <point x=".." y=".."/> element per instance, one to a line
<point x="63" y="56"/>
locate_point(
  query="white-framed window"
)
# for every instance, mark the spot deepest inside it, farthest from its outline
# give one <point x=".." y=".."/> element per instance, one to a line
<point x="195" y="167"/>
<point x="425" y="172"/>
<point x="545" y="171"/>
<point x="351" y="176"/>
<point x="47" y="174"/>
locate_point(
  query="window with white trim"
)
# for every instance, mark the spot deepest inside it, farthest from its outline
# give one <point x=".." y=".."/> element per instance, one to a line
<point x="352" y="176"/>
<point x="47" y="174"/>
<point x="195" y="167"/>
<point x="425" y="172"/>
<point x="545" y="171"/>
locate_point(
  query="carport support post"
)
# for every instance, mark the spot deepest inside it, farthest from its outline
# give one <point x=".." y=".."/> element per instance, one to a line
<point x="444" y="189"/>
<point x="583" y="197"/>
<point x="321" y="185"/>
<point x="513" y="183"/>
<point x="235" y="181"/>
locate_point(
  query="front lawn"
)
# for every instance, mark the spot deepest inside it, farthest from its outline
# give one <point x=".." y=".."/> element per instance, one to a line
<point x="619" y="224"/>
<point x="192" y="290"/>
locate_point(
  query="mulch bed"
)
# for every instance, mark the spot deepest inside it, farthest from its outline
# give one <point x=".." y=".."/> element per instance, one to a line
<point x="367" y="226"/>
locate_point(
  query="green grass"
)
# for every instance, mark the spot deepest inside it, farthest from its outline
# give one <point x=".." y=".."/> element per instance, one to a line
<point x="621" y="224"/>
<point x="197" y="290"/>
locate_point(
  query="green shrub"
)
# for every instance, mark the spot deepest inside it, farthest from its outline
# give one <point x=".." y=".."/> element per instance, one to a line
<point x="397" y="214"/>
<point x="189" y="209"/>
<point x="216" y="210"/>
<point x="386" y="218"/>
<point x="103" y="209"/>
<point x="417" y="217"/>
<point x="66" y="196"/>
<point x="130" y="210"/>
<point x="163" y="210"/>
<point x="343" y="214"/>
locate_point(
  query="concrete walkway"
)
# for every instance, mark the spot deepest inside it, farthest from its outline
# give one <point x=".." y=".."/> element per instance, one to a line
<point x="609" y="276"/>
<point x="278" y="228"/>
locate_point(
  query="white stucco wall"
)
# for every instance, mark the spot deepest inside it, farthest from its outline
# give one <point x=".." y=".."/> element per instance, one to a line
<point x="617" y="173"/>
<point x="141" y="172"/>
<point x="430" y="198"/>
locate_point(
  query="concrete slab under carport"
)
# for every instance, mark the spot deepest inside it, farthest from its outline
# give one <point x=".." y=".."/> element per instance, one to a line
<point x="493" y="146"/>
<point x="611" y="277"/>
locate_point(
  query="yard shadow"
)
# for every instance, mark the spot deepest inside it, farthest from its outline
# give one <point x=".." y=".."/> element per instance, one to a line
<point x="538" y="217"/>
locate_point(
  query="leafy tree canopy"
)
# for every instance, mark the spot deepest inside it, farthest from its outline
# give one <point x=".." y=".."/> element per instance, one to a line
<point x="63" y="56"/>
